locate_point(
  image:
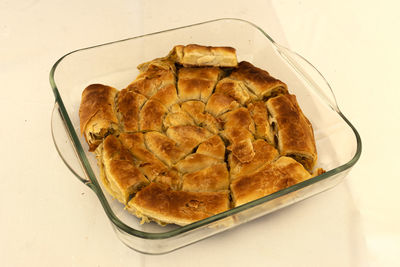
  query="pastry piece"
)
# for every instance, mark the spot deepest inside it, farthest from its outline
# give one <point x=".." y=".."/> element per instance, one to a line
<point x="166" y="95"/>
<point x="198" y="55"/>
<point x="147" y="163"/>
<point x="259" y="113"/>
<point x="239" y="118"/>
<point x="163" y="63"/>
<point x="293" y="131"/>
<point x="197" y="83"/>
<point x="97" y="114"/>
<point x="213" y="178"/>
<point x="219" y="103"/>
<point x="118" y="172"/>
<point x="149" y="82"/>
<point x="238" y="129"/>
<point x="258" y="81"/>
<point x="151" y="116"/>
<point x="159" y="203"/>
<point x="187" y="137"/>
<point x="264" y="153"/>
<point x="271" y="178"/>
<point x="163" y="148"/>
<point x="177" y="118"/>
<point x="196" y="109"/>
<point x="213" y="147"/>
<point x="129" y="104"/>
<point x="235" y="89"/>
<point x="170" y="178"/>
<point x="195" y="162"/>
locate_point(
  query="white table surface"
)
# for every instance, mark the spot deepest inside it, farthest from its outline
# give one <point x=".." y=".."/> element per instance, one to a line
<point x="49" y="218"/>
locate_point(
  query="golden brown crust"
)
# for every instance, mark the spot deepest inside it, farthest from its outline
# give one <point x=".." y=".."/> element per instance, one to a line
<point x="187" y="137"/>
<point x="259" y="114"/>
<point x="166" y="95"/>
<point x="271" y="178"/>
<point x="264" y="153"/>
<point x="177" y="118"/>
<point x="258" y="81"/>
<point x="213" y="178"/>
<point x="238" y="129"/>
<point x="196" y="109"/>
<point x="151" y="116"/>
<point x="293" y="130"/>
<point x="97" y="113"/>
<point x="182" y="136"/>
<point x="120" y="175"/>
<point x="195" y="162"/>
<point x="235" y="89"/>
<point x="164" y="63"/>
<point x="147" y="163"/>
<point x="213" y="147"/>
<point x="129" y="104"/>
<point x="219" y="103"/>
<point x="198" y="55"/>
<point x="149" y="82"/>
<point x="163" y="147"/>
<point x="197" y="83"/>
<point x="164" y="205"/>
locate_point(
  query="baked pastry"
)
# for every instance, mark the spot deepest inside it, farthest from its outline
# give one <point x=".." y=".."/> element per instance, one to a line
<point x="97" y="114"/>
<point x="196" y="134"/>
<point x="198" y="55"/>
<point x="118" y="172"/>
<point x="258" y="81"/>
<point x="159" y="203"/>
<point x="293" y="131"/>
<point x="271" y="178"/>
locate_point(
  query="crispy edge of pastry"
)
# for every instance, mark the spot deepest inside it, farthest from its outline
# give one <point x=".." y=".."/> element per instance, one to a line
<point x="159" y="203"/>
<point x="273" y="177"/>
<point x="293" y="130"/>
<point x="258" y="81"/>
<point x="118" y="172"/>
<point x="199" y="55"/>
<point x="97" y="114"/>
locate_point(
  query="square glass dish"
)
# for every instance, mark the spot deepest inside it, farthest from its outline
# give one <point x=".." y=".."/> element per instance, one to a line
<point x="114" y="64"/>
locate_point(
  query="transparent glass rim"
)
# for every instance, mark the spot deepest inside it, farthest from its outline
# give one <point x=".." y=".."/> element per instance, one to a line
<point x="94" y="185"/>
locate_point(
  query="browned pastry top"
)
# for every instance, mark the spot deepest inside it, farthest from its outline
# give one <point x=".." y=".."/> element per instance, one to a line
<point x="190" y="138"/>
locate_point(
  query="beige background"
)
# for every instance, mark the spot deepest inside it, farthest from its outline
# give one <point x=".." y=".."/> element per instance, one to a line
<point x="48" y="218"/>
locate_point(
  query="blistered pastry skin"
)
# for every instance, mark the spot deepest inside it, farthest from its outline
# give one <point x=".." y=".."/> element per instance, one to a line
<point x="195" y="134"/>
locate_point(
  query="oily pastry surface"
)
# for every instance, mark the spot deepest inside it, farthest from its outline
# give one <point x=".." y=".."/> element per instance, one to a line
<point x="195" y="134"/>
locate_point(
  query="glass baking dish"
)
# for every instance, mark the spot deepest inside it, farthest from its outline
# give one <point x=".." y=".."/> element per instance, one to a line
<point x="338" y="143"/>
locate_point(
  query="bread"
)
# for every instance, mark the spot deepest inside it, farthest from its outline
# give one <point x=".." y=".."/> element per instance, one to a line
<point x="196" y="134"/>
